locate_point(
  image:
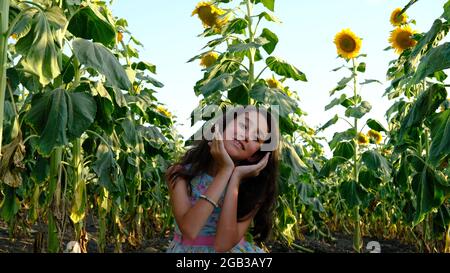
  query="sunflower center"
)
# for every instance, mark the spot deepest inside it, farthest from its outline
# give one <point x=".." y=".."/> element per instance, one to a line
<point x="207" y="16"/>
<point x="347" y="44"/>
<point x="399" y="18"/>
<point x="404" y="40"/>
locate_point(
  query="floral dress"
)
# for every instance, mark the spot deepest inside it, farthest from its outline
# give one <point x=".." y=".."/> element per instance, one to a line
<point x="204" y="243"/>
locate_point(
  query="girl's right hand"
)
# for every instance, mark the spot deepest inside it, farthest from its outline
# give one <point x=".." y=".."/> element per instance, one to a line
<point x="218" y="152"/>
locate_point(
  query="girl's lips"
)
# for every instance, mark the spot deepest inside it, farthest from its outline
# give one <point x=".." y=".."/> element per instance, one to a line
<point x="238" y="144"/>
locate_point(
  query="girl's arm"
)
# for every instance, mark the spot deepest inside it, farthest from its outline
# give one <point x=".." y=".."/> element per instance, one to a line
<point x="229" y="230"/>
<point x="191" y="219"/>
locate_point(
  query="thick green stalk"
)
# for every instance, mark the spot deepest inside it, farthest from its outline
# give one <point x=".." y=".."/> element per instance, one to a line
<point x="4" y="19"/>
<point x="251" y="78"/>
<point x="79" y="187"/>
<point x="357" y="244"/>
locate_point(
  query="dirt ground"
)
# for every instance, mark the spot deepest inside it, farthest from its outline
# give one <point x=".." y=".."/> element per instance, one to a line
<point x="342" y="243"/>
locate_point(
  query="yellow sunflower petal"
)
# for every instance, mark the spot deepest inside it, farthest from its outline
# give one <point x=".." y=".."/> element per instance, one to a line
<point x="397" y="19"/>
<point x="347" y="44"/>
<point x="401" y="39"/>
<point x="375" y="136"/>
<point x="362" y="139"/>
<point x="210" y="15"/>
<point x="209" y="59"/>
<point x="274" y="83"/>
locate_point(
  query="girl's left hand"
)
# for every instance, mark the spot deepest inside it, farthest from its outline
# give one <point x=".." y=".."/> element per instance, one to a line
<point x="242" y="172"/>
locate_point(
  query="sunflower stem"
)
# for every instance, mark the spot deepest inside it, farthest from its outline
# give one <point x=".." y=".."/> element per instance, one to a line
<point x="4" y="18"/>
<point x="357" y="244"/>
<point x="251" y="77"/>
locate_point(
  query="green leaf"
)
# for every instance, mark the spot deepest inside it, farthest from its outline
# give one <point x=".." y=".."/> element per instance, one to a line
<point x="345" y="150"/>
<point x="341" y="84"/>
<point x="291" y="159"/>
<point x="370" y="81"/>
<point x="97" y="56"/>
<point x="361" y="67"/>
<point x="269" y="4"/>
<point x="282" y="68"/>
<point x="144" y="66"/>
<point x="224" y="82"/>
<point x="336" y="101"/>
<point x="53" y="116"/>
<point x="10" y="204"/>
<point x="426" y="104"/>
<point x="427" y="186"/>
<point x="359" y="111"/>
<point x="88" y="23"/>
<point x="270" y="96"/>
<point x="428" y="39"/>
<point x="40" y="54"/>
<point x="241" y="47"/>
<point x="272" y="38"/>
<point x="375" y="125"/>
<point x="81" y="113"/>
<point x="340" y="136"/>
<point x="56" y="17"/>
<point x="353" y="194"/>
<point x="330" y="166"/>
<point x="373" y="160"/>
<point x="332" y="121"/>
<point x="369" y="179"/>
<point x="440" y="135"/>
<point x="239" y="95"/>
<point x="437" y="59"/>
<point x="236" y="26"/>
<point x="269" y="17"/>
<point x="105" y="168"/>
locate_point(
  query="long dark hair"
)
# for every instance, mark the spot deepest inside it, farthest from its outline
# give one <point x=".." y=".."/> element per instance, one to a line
<point x="255" y="192"/>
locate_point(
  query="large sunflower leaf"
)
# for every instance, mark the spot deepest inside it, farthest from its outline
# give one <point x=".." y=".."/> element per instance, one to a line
<point x="437" y="59"/>
<point x="373" y="160"/>
<point x="269" y="4"/>
<point x="429" y="190"/>
<point x="426" y="104"/>
<point x="97" y="56"/>
<point x="59" y="116"/>
<point x="285" y="69"/>
<point x="40" y="55"/>
<point x="89" y="23"/>
<point x="272" y="38"/>
<point x="440" y="134"/>
<point x="359" y="111"/>
<point x="272" y="96"/>
<point x="225" y="81"/>
<point x="353" y="194"/>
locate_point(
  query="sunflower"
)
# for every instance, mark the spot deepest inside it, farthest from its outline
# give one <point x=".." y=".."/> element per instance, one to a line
<point x="163" y="111"/>
<point x="210" y="15"/>
<point x="401" y="38"/>
<point x="119" y="36"/>
<point x="397" y="19"/>
<point x="363" y="139"/>
<point x="375" y="136"/>
<point x="274" y="83"/>
<point x="348" y="44"/>
<point x="209" y="59"/>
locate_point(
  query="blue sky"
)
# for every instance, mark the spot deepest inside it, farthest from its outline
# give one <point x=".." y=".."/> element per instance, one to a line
<point x="169" y="35"/>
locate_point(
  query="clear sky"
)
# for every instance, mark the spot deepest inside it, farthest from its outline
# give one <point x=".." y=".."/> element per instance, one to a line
<point x="169" y="35"/>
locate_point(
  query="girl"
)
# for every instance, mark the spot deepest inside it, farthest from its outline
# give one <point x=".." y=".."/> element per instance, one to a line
<point x="221" y="186"/>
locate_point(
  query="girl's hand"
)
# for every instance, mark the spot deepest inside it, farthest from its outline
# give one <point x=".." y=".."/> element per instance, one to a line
<point x="242" y="172"/>
<point x="218" y="152"/>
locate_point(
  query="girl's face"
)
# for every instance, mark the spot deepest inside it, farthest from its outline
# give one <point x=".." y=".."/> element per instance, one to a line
<point x="244" y="136"/>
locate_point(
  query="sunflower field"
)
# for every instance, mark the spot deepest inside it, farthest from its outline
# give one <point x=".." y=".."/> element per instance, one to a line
<point x="85" y="142"/>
